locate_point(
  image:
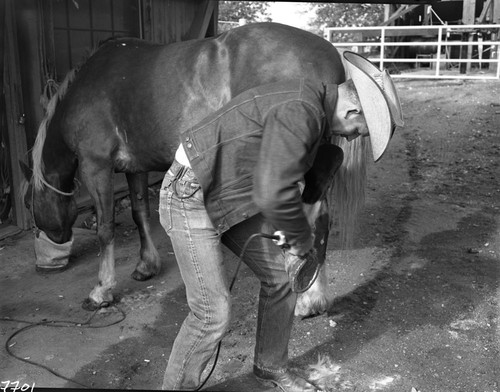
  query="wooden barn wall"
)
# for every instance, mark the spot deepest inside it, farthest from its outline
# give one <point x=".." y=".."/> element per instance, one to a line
<point x="29" y="40"/>
<point x="162" y="21"/>
<point x="167" y="21"/>
<point x="12" y="103"/>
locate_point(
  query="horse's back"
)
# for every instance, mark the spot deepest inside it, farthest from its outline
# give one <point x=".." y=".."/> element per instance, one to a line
<point x="136" y="97"/>
<point x="268" y="52"/>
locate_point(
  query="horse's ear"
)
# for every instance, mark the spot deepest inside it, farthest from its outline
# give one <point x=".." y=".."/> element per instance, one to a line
<point x="28" y="173"/>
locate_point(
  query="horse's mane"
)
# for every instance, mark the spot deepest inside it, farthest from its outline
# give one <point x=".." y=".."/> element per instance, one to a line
<point x="38" y="166"/>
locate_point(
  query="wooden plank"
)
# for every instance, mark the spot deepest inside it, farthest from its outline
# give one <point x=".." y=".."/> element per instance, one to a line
<point x="469" y="12"/>
<point x="167" y="21"/>
<point x="496" y="12"/>
<point x="469" y="18"/>
<point x="469" y="53"/>
<point x="202" y="19"/>
<point x="484" y="12"/>
<point x="15" y="113"/>
<point x="28" y="42"/>
<point x="494" y="36"/>
<point x="209" y="12"/>
<point x="403" y="10"/>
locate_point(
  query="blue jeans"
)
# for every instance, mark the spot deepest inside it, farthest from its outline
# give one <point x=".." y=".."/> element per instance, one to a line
<point x="198" y="250"/>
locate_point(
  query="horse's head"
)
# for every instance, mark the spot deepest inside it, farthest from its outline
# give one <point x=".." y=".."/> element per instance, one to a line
<point x="53" y="210"/>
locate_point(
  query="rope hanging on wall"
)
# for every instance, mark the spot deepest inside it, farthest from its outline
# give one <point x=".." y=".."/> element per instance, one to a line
<point x="47" y="67"/>
<point x="49" y="90"/>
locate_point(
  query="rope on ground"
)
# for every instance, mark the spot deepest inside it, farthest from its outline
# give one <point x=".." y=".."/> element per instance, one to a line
<point x="56" y="324"/>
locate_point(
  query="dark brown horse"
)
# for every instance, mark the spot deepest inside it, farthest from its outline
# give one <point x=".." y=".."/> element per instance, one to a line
<point x="123" y="111"/>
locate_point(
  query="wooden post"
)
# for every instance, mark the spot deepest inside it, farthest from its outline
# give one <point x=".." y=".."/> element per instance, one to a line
<point x="387" y="11"/>
<point x="495" y="4"/>
<point x="496" y="12"/>
<point x="485" y="13"/>
<point x="427" y="15"/>
<point x="204" y="15"/>
<point x="468" y="18"/>
<point x="469" y="12"/>
<point x="15" y="112"/>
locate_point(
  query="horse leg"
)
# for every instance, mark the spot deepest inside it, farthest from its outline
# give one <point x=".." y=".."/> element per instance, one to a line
<point x="149" y="263"/>
<point x="99" y="183"/>
<point x="315" y="300"/>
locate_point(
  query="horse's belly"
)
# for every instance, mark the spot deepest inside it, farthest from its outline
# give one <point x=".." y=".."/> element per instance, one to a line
<point x="145" y="155"/>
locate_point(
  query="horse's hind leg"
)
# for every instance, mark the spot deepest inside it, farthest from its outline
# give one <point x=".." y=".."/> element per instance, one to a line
<point x="149" y="263"/>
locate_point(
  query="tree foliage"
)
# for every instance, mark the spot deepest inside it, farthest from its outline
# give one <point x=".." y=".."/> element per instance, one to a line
<point x="252" y="11"/>
<point x="347" y="14"/>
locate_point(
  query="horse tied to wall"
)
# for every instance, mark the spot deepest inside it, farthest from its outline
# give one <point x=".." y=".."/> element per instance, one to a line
<point x="123" y="111"/>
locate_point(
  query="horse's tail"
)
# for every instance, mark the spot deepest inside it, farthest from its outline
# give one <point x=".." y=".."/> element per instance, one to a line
<point x="347" y="196"/>
<point x="38" y="167"/>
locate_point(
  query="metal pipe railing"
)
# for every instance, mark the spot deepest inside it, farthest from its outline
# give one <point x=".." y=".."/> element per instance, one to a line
<point x="384" y="33"/>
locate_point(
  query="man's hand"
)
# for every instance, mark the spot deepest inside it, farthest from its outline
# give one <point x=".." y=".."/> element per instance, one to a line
<point x="302" y="270"/>
<point x="281" y="242"/>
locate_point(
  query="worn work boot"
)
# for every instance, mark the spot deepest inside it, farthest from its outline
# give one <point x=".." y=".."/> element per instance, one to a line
<point x="286" y="381"/>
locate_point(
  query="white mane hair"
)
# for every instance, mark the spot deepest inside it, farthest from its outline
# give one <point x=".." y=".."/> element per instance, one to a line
<point x="38" y="166"/>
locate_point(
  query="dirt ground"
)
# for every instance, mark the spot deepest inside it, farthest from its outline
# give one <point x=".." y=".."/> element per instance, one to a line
<point x="416" y="299"/>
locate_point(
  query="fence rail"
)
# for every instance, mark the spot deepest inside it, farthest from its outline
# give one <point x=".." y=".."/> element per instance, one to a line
<point x="447" y="56"/>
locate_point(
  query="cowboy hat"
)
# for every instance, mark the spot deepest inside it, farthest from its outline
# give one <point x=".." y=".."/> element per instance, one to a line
<point x="379" y="100"/>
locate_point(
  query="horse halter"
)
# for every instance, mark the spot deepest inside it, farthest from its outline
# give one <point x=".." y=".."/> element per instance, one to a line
<point x="32" y="209"/>
<point x="55" y="189"/>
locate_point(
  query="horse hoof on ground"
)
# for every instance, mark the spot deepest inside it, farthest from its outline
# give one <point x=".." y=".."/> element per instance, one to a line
<point x="146" y="270"/>
<point x="90" y="305"/>
<point x="141" y="276"/>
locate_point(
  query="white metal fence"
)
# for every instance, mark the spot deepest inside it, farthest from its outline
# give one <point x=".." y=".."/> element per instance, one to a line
<point x="430" y="52"/>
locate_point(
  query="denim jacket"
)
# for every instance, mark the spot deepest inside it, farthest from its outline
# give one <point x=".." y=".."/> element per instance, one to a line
<point x="250" y="155"/>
